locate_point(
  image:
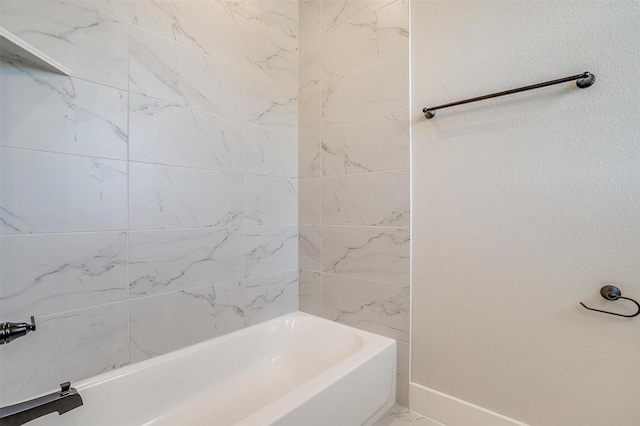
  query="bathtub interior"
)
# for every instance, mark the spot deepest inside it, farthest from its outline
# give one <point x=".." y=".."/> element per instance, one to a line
<point x="230" y="377"/>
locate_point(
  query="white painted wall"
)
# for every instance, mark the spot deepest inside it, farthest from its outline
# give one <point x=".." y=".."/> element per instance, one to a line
<point x="524" y="206"/>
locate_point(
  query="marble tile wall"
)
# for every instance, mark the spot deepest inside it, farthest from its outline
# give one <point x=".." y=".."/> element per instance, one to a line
<point x="155" y="187"/>
<point x="353" y="166"/>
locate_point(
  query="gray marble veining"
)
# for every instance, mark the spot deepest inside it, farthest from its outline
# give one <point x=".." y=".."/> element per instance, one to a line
<point x="176" y="197"/>
<point x="168" y="133"/>
<point x="310" y="247"/>
<point x="165" y="70"/>
<point x="82" y="193"/>
<point x="402" y="416"/>
<point x="217" y="309"/>
<point x="170" y="260"/>
<point x="205" y="26"/>
<point x="67" y="115"/>
<point x="381" y="308"/>
<point x="269" y="249"/>
<point x="270" y="201"/>
<point x="374" y="253"/>
<point x="45" y="274"/>
<point x="68" y="346"/>
<point x="91" y="43"/>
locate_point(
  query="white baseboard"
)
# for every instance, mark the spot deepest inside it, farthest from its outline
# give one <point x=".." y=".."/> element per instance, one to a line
<point x="451" y="411"/>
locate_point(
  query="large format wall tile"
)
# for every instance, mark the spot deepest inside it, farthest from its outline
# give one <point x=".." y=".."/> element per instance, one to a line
<point x="45" y="274"/>
<point x="375" y="253"/>
<point x="270" y="201"/>
<point x="310" y="109"/>
<point x="273" y="55"/>
<point x="90" y="43"/>
<point x="310" y="247"/>
<point x="166" y="70"/>
<point x="117" y="8"/>
<point x="402" y="373"/>
<point x="270" y="152"/>
<point x="157" y="322"/>
<point x="365" y="41"/>
<point x="309" y="156"/>
<point x="310" y="66"/>
<point x="176" y="197"/>
<point x="336" y="13"/>
<point x="177" y="259"/>
<point x="374" y="199"/>
<point x="270" y="249"/>
<point x="270" y="296"/>
<point x="378" y="90"/>
<point x="202" y="25"/>
<point x="310" y="201"/>
<point x="270" y="104"/>
<point x="310" y="292"/>
<point x="67" y="346"/>
<point x="373" y="306"/>
<point x="43" y="192"/>
<point x="277" y="15"/>
<point x="310" y="25"/>
<point x="50" y="112"/>
<point x="166" y="133"/>
<point x="369" y="146"/>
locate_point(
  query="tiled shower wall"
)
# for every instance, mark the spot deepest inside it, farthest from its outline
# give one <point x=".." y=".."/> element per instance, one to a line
<point x="149" y="201"/>
<point x="354" y="167"/>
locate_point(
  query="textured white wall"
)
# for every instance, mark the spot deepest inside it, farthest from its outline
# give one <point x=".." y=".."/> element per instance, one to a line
<point x="525" y="205"/>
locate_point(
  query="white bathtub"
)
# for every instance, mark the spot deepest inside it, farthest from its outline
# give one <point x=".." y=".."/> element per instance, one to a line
<point x="296" y="370"/>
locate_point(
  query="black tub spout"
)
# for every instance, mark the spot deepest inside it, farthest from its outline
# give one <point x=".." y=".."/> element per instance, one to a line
<point x="66" y="400"/>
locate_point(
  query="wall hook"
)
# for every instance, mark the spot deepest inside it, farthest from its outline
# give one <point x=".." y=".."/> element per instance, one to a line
<point x="610" y="292"/>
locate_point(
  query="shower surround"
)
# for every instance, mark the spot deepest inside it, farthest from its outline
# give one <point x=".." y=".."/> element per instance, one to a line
<point x="149" y="201"/>
<point x="354" y="245"/>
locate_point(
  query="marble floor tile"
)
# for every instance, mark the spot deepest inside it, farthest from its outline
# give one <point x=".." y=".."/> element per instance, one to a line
<point x="402" y="416"/>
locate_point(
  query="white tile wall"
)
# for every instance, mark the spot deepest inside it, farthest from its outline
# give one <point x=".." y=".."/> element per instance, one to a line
<point x="166" y="133"/>
<point x="353" y="164"/>
<point x="124" y="205"/>
<point x="67" y="115"/>
<point x="93" y="44"/>
<point x="45" y="192"/>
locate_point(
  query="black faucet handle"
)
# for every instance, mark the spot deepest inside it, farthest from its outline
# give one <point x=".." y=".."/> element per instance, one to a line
<point x="32" y="326"/>
<point x="64" y="388"/>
